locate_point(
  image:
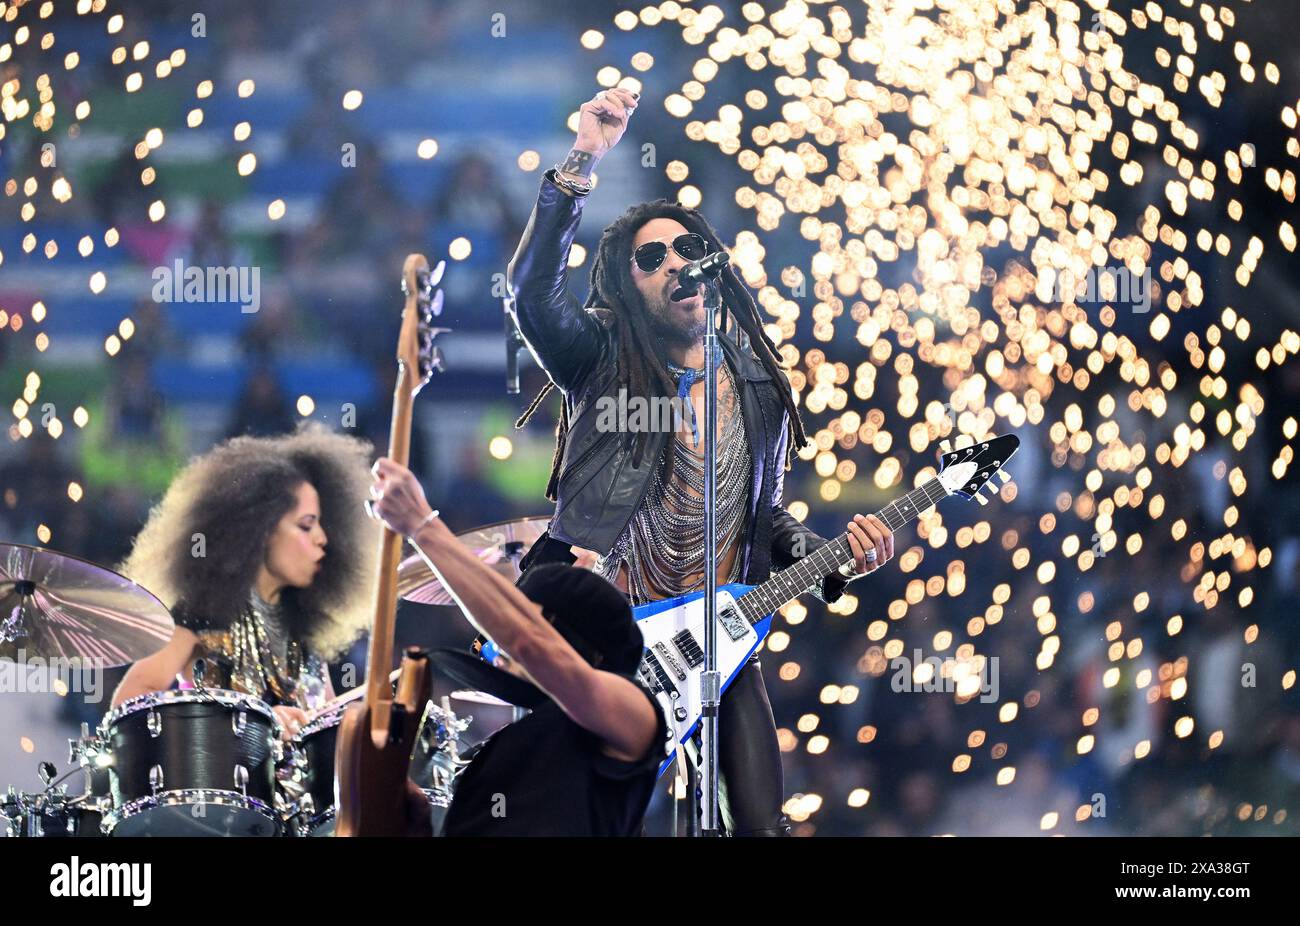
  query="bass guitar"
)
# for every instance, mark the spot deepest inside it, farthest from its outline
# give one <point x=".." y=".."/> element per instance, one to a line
<point x="377" y="736"/>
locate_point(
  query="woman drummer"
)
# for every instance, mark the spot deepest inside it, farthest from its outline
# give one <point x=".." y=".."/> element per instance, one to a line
<point x="263" y="552"/>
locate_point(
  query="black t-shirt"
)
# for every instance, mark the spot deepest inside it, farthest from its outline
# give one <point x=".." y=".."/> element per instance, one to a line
<point x="545" y="776"/>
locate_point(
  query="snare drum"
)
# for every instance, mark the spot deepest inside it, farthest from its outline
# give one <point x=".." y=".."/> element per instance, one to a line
<point x="307" y="774"/>
<point x="197" y="762"/>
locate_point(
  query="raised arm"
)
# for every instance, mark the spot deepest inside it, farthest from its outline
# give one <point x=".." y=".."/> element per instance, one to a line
<point x="563" y="337"/>
<point x="605" y="704"/>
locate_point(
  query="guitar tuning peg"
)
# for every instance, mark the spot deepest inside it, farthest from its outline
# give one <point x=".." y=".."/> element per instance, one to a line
<point x="1004" y="476"/>
<point x="945" y="445"/>
<point x="979" y="497"/>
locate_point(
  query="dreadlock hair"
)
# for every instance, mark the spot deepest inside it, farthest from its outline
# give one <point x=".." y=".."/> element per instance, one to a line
<point x="641" y="362"/>
<point x="234" y="495"/>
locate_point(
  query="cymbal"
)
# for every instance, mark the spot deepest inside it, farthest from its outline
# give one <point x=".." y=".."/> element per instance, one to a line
<point x="57" y="606"/>
<point x="500" y="546"/>
<point x="478" y="697"/>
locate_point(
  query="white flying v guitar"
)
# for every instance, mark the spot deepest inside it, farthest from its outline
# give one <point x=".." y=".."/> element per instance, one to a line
<point x="674" y="628"/>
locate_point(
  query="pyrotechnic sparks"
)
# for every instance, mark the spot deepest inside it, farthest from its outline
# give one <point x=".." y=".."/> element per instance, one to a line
<point x="1010" y="206"/>
<point x="29" y="109"/>
<point x="991" y="187"/>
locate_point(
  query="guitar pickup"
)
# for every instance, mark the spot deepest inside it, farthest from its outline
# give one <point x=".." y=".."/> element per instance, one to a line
<point x="689" y="648"/>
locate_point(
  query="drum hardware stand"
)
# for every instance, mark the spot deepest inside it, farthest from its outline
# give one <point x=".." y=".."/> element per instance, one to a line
<point x="11" y="628"/>
<point x="88" y="751"/>
<point x="46" y="771"/>
<point x="514" y="550"/>
<point x="455" y="727"/>
<point x="199" y="670"/>
<point x="53" y="796"/>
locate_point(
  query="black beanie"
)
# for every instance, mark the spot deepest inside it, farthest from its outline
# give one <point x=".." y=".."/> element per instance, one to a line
<point x="590" y="613"/>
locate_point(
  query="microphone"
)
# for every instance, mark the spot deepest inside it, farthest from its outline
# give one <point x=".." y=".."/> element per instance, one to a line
<point x="514" y="341"/>
<point x="700" y="271"/>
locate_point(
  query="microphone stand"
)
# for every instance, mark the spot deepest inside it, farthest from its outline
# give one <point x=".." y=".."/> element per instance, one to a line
<point x="711" y="680"/>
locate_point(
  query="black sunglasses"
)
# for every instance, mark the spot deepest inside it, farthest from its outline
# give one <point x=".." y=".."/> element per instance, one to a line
<point x="650" y="256"/>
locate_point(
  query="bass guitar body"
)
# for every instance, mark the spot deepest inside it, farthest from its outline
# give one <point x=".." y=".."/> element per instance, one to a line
<point x="371" y="793"/>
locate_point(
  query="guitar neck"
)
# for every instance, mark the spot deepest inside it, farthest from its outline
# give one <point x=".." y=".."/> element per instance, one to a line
<point x="791" y="582"/>
<point x="380" y="658"/>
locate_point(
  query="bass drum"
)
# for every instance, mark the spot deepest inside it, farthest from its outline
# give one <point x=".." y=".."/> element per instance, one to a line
<point x="196" y="762"/>
<point x="307" y="774"/>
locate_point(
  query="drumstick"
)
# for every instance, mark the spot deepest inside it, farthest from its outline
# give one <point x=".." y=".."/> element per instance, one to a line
<point x="347" y="698"/>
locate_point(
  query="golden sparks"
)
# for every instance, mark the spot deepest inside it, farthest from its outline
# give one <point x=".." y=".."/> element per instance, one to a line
<point x="965" y="172"/>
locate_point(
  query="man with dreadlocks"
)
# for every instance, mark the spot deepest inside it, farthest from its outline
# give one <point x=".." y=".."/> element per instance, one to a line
<point x="635" y="498"/>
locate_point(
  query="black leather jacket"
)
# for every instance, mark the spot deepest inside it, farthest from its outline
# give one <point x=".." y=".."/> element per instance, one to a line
<point x="598" y="488"/>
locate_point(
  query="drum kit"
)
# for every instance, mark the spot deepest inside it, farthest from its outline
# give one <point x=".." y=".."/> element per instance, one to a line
<point x="203" y="761"/>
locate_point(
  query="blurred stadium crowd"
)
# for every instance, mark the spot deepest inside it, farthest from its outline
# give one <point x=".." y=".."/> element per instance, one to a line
<point x="860" y="758"/>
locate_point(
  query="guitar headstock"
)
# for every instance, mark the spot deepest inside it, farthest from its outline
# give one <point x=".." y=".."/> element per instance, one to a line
<point x="415" y="348"/>
<point x="965" y="471"/>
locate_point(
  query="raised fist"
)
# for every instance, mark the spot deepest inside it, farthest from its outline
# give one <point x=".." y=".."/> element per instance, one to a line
<point x="603" y="119"/>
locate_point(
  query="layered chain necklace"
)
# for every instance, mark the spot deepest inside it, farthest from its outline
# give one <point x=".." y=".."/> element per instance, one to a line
<point x="264" y="659"/>
<point x="663" y="544"/>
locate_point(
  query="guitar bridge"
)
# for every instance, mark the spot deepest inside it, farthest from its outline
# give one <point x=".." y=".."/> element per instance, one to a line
<point x="671" y="660"/>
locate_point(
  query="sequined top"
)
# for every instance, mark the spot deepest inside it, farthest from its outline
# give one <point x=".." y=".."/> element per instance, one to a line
<point x="256" y="656"/>
<point x="663" y="543"/>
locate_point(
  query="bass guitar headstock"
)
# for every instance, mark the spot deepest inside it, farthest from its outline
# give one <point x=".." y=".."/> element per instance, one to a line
<point x="416" y="351"/>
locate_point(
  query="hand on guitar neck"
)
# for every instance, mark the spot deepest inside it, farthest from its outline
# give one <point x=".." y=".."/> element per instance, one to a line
<point x="872" y="543"/>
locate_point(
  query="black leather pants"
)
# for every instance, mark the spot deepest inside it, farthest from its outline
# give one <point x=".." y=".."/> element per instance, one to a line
<point x="751" y="787"/>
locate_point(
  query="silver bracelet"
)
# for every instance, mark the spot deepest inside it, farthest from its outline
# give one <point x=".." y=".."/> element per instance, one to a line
<point x="427" y="518"/>
<point x="570" y="186"/>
